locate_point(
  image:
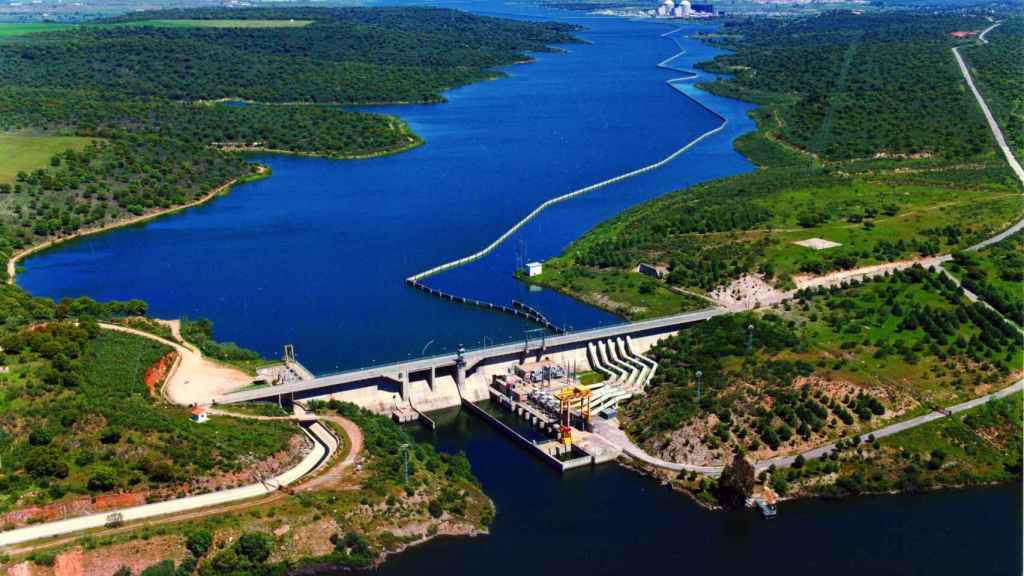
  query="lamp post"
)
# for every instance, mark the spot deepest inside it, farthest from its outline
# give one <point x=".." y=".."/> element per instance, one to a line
<point x="699" y="375"/>
<point x="750" y="336"/>
<point x="405" y="463"/>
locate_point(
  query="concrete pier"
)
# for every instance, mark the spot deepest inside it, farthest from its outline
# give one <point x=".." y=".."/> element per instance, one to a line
<point x="545" y="451"/>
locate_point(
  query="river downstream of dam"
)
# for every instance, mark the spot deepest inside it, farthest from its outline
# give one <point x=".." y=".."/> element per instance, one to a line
<point x="316" y="255"/>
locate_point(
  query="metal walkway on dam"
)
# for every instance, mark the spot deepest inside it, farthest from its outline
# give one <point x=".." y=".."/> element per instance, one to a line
<point x="459" y="363"/>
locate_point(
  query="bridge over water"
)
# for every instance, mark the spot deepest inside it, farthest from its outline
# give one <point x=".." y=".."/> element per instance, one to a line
<point x="460" y="363"/>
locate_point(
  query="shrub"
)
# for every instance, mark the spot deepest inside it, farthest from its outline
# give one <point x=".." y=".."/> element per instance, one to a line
<point x="435" y="508"/>
<point x="254" y="546"/>
<point x="780" y="485"/>
<point x="198" y="542"/>
<point x="102" y="480"/>
<point x="162" y="568"/>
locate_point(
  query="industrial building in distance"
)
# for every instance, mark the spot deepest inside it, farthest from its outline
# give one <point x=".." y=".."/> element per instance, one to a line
<point x="684" y="9"/>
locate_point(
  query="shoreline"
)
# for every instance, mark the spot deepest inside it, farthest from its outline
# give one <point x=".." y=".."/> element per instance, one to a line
<point x="18" y="256"/>
<point x="250" y="150"/>
<point x="690" y="75"/>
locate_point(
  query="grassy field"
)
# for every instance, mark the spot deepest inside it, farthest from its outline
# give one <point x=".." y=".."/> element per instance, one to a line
<point x="994" y="275"/>
<point x="19" y="28"/>
<point x="632" y="296"/>
<point x="876" y="330"/>
<point x="222" y="23"/>
<point x="21" y="151"/>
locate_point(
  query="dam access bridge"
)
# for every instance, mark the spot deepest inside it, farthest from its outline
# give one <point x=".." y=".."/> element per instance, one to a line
<point x="457" y="366"/>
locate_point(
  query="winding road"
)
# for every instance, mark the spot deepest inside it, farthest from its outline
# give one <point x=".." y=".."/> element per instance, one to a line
<point x="190" y="361"/>
<point x="613" y="434"/>
<point x="324" y="445"/>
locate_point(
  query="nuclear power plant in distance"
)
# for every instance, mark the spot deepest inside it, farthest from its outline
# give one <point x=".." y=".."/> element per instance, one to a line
<point x="670" y="9"/>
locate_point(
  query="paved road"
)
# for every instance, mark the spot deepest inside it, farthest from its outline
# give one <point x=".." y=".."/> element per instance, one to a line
<point x="610" y="431"/>
<point x="335" y="473"/>
<point x="896" y="428"/>
<point x="992" y="124"/>
<point x="613" y="434"/>
<point x="324" y="445"/>
<point x="391" y="370"/>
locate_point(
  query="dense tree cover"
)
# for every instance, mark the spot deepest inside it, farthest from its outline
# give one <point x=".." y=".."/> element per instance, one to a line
<point x="107" y="181"/>
<point x="78" y="418"/>
<point x="397" y="36"/>
<point x="319" y="130"/>
<point x="200" y="333"/>
<point x="385" y="440"/>
<point x="852" y="85"/>
<point x="759" y="370"/>
<point x="995" y="274"/>
<point x="347" y="55"/>
<point x="998" y="70"/>
<point x="18" y="309"/>
<point x="865" y="187"/>
<point x="137" y="88"/>
<point x="440" y="488"/>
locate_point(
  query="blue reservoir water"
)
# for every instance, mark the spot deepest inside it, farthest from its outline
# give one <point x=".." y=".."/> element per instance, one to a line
<point x="610" y="521"/>
<point x="316" y="255"/>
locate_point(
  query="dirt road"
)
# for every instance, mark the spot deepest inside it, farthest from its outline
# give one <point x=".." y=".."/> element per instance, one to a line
<point x="194" y="379"/>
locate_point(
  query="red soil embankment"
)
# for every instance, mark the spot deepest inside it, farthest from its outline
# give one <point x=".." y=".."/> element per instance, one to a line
<point x="156" y="373"/>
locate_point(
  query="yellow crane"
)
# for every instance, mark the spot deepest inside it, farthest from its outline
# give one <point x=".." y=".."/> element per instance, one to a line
<point x="572" y="398"/>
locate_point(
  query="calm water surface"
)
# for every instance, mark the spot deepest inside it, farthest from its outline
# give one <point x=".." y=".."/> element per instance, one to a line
<point x="609" y="520"/>
<point x="316" y="255"/>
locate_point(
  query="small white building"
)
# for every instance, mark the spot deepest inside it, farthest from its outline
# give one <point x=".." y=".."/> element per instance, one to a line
<point x="534" y="269"/>
<point x="200" y="415"/>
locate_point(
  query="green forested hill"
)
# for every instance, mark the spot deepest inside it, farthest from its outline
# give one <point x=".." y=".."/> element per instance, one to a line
<point x="120" y="121"/>
<point x="850" y="85"/>
<point x="404" y="36"/>
<point x="999" y="73"/>
<point x="148" y="86"/>
<point x="353" y="55"/>
<point x="868" y="137"/>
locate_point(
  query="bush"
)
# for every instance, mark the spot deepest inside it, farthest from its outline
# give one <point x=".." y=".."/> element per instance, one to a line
<point x="254" y="546"/>
<point x="162" y="568"/>
<point x="435" y="508"/>
<point x="44" y="557"/>
<point x="199" y="541"/>
<point x="780" y="485"/>
<point x="102" y="480"/>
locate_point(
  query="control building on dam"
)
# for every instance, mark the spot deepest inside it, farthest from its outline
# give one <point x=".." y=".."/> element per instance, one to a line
<point x="438" y="382"/>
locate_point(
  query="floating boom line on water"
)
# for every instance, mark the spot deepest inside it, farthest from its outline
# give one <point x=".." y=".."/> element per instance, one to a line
<point x="414" y="280"/>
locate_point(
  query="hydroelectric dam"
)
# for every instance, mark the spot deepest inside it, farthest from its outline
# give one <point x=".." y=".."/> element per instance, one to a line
<point x="443" y="381"/>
